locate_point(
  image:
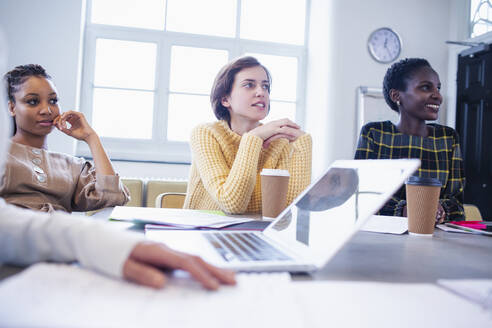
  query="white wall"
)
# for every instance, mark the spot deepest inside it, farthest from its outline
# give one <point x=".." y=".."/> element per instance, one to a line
<point x="319" y="88"/>
<point x="340" y="62"/>
<point x="151" y="170"/>
<point x="48" y="32"/>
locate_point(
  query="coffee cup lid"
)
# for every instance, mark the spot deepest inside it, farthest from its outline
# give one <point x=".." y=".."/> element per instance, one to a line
<point x="275" y="172"/>
<point x="423" y="181"/>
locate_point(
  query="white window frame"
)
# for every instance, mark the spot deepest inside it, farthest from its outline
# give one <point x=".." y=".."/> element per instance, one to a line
<point x="158" y="149"/>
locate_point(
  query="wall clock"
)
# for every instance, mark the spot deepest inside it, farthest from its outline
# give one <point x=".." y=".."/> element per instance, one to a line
<point x="384" y="45"/>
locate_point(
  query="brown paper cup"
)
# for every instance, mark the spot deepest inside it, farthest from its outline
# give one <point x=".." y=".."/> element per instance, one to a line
<point x="274" y="184"/>
<point x="422" y="200"/>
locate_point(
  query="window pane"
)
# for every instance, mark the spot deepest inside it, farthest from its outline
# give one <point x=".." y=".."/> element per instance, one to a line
<point x="274" y="20"/>
<point x="280" y="110"/>
<point x="125" y="64"/>
<point x="284" y="75"/>
<point x="480" y="15"/>
<point x="473" y="7"/>
<point x="123" y="113"/>
<point x="480" y="29"/>
<point x="211" y="17"/>
<point x="483" y="10"/>
<point x="185" y="112"/>
<point x="188" y="72"/>
<point x="131" y="13"/>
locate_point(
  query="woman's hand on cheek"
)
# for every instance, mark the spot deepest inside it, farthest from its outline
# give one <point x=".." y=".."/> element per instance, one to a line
<point x="74" y="124"/>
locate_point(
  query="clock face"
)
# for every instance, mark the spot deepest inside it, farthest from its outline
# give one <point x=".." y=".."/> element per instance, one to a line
<point x="384" y="45"/>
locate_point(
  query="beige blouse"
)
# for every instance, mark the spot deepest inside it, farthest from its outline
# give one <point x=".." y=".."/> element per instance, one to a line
<point x="42" y="180"/>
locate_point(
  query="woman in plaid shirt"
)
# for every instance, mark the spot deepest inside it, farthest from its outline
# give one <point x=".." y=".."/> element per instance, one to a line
<point x="411" y="88"/>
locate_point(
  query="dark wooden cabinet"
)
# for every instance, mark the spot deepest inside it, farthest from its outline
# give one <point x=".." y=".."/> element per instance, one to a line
<point x="474" y="125"/>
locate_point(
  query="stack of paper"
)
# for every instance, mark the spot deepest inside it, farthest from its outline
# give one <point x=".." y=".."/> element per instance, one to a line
<point x="475" y="290"/>
<point x="50" y="295"/>
<point x="386" y="224"/>
<point x="446" y="228"/>
<point x="477" y="227"/>
<point x="381" y="305"/>
<point x="178" y="218"/>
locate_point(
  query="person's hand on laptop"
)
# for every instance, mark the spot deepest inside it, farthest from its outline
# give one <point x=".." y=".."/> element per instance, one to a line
<point x="146" y="261"/>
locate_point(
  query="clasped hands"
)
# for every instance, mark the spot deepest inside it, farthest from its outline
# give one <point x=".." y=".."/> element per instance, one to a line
<point x="283" y="128"/>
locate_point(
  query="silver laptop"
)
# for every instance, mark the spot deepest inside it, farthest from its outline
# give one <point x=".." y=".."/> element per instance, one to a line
<point x="310" y="230"/>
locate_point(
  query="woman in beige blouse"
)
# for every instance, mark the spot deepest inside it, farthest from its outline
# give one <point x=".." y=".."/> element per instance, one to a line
<point x="42" y="180"/>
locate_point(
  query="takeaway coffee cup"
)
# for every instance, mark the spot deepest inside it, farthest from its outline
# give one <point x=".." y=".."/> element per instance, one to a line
<point x="274" y="185"/>
<point x="422" y="200"/>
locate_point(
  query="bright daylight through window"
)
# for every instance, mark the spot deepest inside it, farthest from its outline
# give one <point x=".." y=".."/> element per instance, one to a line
<point x="480" y="17"/>
<point x="149" y="66"/>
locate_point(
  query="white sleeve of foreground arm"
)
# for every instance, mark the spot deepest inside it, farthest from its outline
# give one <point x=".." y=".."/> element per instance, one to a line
<point x="27" y="237"/>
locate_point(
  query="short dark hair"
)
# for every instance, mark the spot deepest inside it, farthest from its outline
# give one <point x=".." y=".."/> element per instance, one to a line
<point x="225" y="79"/>
<point x="16" y="77"/>
<point x="397" y="76"/>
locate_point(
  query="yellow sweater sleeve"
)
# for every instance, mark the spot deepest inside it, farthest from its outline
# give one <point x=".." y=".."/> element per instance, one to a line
<point x="231" y="188"/>
<point x="297" y="160"/>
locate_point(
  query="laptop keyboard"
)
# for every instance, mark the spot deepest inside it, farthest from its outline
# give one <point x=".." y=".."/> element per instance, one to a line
<point x="244" y="246"/>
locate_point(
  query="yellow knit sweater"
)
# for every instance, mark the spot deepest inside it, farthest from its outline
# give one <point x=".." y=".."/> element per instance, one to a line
<point x="225" y="171"/>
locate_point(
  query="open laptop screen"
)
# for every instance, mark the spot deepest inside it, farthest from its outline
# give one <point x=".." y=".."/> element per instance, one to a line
<point x="329" y="211"/>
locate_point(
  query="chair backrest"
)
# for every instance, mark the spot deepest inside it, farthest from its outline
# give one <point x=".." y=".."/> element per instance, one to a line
<point x="157" y="187"/>
<point x="170" y="200"/>
<point x="472" y="213"/>
<point x="135" y="186"/>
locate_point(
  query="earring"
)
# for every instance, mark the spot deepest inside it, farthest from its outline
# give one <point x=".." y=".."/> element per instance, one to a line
<point x="398" y="103"/>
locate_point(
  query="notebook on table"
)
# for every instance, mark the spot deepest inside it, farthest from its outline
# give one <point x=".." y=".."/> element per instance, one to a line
<point x="311" y="229"/>
<point x="476" y="227"/>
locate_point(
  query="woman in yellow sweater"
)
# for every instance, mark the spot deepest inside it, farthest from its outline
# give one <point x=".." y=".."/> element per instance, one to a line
<point x="229" y="155"/>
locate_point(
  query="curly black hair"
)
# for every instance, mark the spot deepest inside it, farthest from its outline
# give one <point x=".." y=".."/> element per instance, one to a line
<point x="16" y="77"/>
<point x="397" y="75"/>
<point x="19" y="75"/>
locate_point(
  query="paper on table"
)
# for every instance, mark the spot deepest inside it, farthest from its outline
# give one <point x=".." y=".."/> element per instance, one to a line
<point x="53" y="295"/>
<point x="446" y="228"/>
<point x="386" y="224"/>
<point x="256" y="225"/>
<point x="475" y="290"/>
<point x="369" y="304"/>
<point x="470" y="228"/>
<point x="175" y="217"/>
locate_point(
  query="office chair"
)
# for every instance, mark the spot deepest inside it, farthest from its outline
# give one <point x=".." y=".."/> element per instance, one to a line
<point x="170" y="200"/>
<point x="472" y="213"/>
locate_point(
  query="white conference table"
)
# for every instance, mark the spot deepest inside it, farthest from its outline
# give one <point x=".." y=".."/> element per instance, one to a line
<point x="392" y="258"/>
<point x="405" y="258"/>
<point x="352" y="295"/>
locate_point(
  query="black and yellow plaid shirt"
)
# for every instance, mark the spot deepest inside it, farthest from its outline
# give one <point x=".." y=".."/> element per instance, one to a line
<point x="439" y="153"/>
